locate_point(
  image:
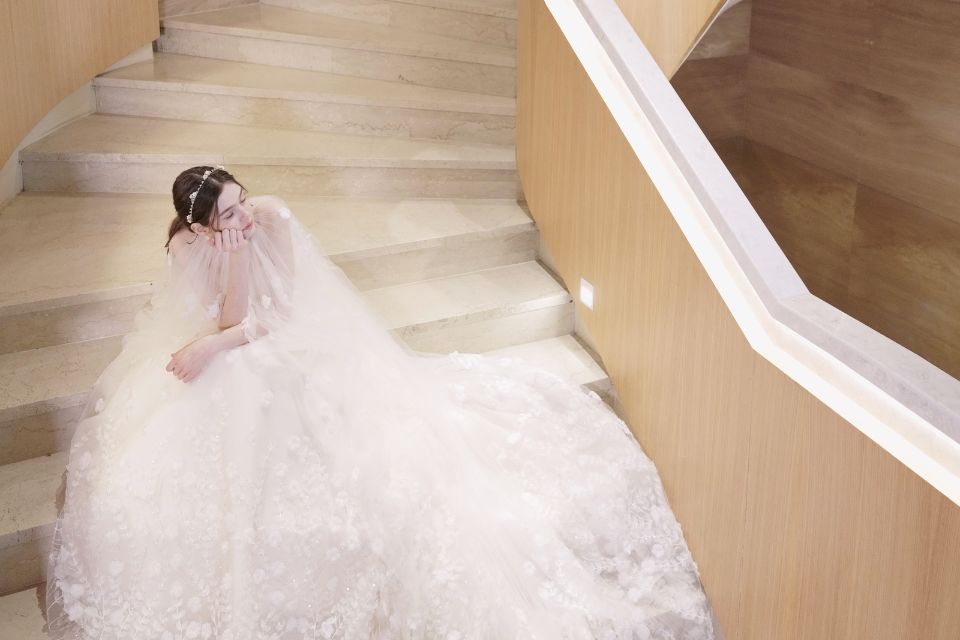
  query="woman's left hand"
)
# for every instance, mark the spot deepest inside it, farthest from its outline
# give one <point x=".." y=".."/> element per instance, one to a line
<point x="189" y="360"/>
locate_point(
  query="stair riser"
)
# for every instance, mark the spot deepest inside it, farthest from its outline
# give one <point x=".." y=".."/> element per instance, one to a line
<point x="156" y="177"/>
<point x="23" y="565"/>
<point x="100" y="318"/>
<point x="456" y="24"/>
<point x="470" y="6"/>
<point x="430" y="72"/>
<point x="329" y="117"/>
<point x="487" y="333"/>
<point x="41" y="434"/>
<point x="102" y="314"/>
<point x="447" y="260"/>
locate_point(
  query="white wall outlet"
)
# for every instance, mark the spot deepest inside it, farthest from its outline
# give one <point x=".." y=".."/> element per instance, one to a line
<point x="586" y="293"/>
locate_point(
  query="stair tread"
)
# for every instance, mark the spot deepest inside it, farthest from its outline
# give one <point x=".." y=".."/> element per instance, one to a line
<point x="28" y="487"/>
<point x="279" y="23"/>
<point x="57" y="249"/>
<point x="184" y="73"/>
<point x="63" y="371"/>
<point x="525" y="285"/>
<point x="133" y="138"/>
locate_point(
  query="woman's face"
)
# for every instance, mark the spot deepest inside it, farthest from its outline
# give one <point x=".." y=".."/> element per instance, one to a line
<point x="235" y="211"/>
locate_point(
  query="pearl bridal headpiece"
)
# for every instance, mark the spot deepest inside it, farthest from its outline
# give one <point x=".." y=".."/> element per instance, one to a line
<point x="193" y="196"/>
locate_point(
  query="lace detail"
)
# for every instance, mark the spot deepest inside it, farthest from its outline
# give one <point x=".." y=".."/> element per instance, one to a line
<point x="326" y="482"/>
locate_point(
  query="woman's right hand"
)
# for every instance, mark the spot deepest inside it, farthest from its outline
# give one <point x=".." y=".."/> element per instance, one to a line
<point x="228" y="239"/>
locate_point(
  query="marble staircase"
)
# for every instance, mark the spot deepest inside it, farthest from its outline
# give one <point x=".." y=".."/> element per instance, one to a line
<point x="393" y="143"/>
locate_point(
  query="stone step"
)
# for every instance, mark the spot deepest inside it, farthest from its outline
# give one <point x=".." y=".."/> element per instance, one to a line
<point x="283" y="37"/>
<point x="29" y="488"/>
<point x="127" y="154"/>
<point x="21" y="615"/>
<point x="455" y="22"/>
<point x="204" y="89"/>
<point x="42" y="389"/>
<point x="30" y="495"/>
<point x="70" y="275"/>
<point x="503" y="8"/>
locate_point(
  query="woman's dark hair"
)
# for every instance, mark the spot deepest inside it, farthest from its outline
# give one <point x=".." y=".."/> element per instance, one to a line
<point x="205" y="204"/>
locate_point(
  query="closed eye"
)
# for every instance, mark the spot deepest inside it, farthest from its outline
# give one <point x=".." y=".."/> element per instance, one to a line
<point x="243" y="198"/>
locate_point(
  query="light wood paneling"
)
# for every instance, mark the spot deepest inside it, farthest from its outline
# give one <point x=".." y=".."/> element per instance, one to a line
<point x="51" y="48"/>
<point x="802" y="527"/>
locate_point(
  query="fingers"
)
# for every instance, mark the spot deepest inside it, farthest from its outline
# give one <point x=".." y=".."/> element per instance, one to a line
<point x="229" y="239"/>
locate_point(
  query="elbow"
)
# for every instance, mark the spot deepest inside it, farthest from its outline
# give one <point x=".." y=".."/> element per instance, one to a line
<point x="225" y="323"/>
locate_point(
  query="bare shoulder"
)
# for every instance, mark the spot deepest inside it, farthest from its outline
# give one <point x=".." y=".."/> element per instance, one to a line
<point x="180" y="240"/>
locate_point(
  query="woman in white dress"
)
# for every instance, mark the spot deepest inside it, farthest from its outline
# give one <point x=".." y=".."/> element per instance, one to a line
<point x="265" y="460"/>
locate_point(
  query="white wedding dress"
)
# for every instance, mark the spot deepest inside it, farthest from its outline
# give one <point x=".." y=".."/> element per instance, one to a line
<point x="324" y="481"/>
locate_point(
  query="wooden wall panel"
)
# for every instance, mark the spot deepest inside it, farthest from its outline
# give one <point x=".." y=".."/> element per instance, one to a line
<point x="807" y="115"/>
<point x="669" y="30"/>
<point x="713" y="89"/>
<point x="729" y="35"/>
<point x="870" y="88"/>
<point x="829" y="37"/>
<point x="55" y="47"/>
<point x="802" y="527"/>
<point x="712" y="80"/>
<point x="915" y="49"/>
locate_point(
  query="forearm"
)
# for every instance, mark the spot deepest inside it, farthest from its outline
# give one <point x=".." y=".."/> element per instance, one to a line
<point x="229" y="338"/>
<point x="234" y="336"/>
<point x="235" y="300"/>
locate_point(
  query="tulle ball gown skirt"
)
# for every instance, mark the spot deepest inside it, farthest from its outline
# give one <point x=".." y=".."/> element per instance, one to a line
<point x="500" y="502"/>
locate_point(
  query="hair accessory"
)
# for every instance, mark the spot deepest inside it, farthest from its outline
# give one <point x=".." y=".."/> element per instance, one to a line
<point x="193" y="196"/>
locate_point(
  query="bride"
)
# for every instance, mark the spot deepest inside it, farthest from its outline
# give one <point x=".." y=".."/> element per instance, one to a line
<point x="265" y="460"/>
